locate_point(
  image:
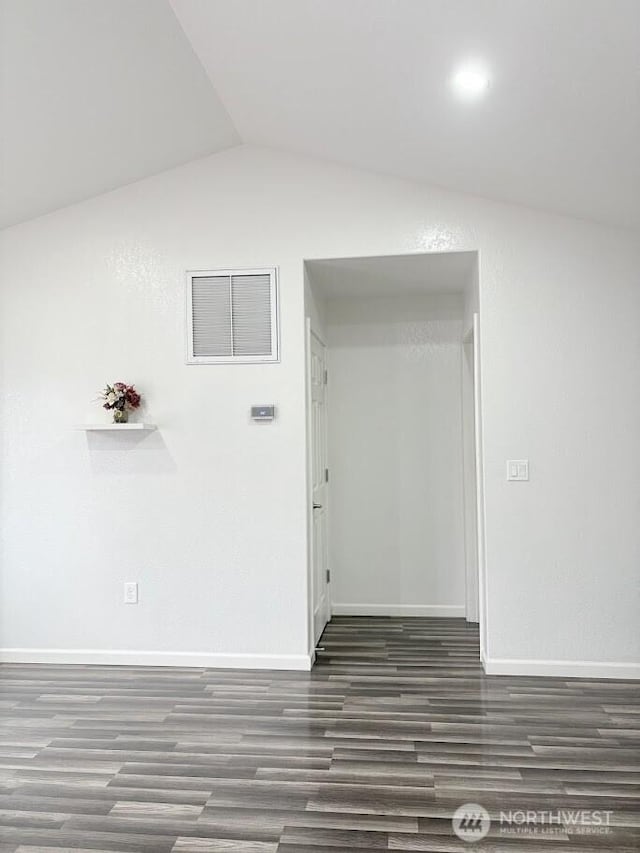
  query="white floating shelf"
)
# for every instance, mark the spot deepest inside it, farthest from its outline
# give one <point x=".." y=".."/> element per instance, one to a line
<point x="115" y="427"/>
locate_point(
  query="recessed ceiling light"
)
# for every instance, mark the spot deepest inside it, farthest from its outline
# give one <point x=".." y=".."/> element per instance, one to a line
<point x="471" y="80"/>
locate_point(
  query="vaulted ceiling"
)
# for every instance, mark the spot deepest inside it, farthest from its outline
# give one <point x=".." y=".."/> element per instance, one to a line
<point x="98" y="93"/>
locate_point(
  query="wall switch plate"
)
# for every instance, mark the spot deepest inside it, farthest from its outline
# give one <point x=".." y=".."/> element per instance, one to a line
<point x="131" y="593"/>
<point x="518" y="470"/>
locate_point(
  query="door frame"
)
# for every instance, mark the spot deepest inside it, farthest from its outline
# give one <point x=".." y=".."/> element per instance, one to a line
<point x="472" y="337"/>
<point x="470" y="477"/>
<point x="311" y="641"/>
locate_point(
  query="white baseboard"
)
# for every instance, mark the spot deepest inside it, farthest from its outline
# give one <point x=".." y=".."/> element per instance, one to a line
<point x="445" y="610"/>
<point x="134" y="658"/>
<point x="492" y="666"/>
<point x="562" y="668"/>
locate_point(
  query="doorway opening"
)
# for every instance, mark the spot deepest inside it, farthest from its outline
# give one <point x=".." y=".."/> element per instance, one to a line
<point x="395" y="502"/>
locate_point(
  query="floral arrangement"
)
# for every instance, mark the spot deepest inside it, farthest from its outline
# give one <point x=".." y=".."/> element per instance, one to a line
<point x="120" y="398"/>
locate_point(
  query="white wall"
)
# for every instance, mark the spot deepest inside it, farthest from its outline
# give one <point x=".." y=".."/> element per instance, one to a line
<point x="209" y="513"/>
<point x="395" y="455"/>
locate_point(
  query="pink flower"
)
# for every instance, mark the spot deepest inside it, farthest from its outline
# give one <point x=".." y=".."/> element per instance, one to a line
<point x="120" y="396"/>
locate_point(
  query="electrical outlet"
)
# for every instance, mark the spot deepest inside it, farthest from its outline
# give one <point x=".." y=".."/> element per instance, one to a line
<point x="131" y="593"/>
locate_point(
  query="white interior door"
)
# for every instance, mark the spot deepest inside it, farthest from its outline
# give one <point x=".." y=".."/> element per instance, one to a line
<point x="482" y="580"/>
<point x="319" y="474"/>
<point x="470" y="479"/>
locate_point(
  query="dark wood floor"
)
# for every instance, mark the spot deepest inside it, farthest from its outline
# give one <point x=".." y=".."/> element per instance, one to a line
<point x="375" y="749"/>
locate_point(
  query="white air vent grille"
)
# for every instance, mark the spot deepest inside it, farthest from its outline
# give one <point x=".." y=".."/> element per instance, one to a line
<point x="211" y="306"/>
<point x="232" y="316"/>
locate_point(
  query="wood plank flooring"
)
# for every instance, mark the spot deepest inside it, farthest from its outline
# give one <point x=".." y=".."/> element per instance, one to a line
<point x="374" y="750"/>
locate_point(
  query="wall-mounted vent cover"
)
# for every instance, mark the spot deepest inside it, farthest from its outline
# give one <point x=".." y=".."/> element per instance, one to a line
<point x="232" y="316"/>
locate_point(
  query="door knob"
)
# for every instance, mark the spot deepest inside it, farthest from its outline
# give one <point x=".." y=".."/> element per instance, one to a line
<point x="317" y="506"/>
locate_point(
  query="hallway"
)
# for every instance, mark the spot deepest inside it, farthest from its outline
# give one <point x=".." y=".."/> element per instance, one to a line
<point x="394" y="728"/>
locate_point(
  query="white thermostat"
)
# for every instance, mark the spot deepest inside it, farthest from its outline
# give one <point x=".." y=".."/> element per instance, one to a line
<point x="263" y="413"/>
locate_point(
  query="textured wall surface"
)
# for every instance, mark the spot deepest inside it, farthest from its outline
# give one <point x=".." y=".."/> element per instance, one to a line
<point x="209" y="514"/>
<point x="395" y="452"/>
